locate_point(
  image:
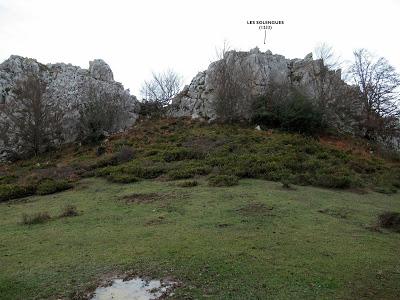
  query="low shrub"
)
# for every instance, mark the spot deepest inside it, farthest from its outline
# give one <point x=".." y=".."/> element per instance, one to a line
<point x="331" y="178"/>
<point x="145" y="172"/>
<point x="8" y="179"/>
<point x="390" y="220"/>
<point x="181" y="154"/>
<point x="286" y="184"/>
<point x="188" y="170"/>
<point x="388" y="190"/>
<point x="188" y="183"/>
<point x="124" y="155"/>
<point x="223" y="180"/>
<point x="13" y="191"/>
<point x="332" y="181"/>
<point x="69" y="211"/>
<point x="180" y="174"/>
<point x="105" y="161"/>
<point x="122" y="178"/>
<point x="151" y="109"/>
<point x="50" y="186"/>
<point x="100" y="150"/>
<point x="36" y="218"/>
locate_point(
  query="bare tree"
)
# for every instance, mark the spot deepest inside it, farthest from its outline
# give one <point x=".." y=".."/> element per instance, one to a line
<point x="337" y="101"/>
<point x="328" y="56"/>
<point x="162" y="87"/>
<point x="378" y="85"/>
<point x="101" y="113"/>
<point x="232" y="80"/>
<point x="31" y="121"/>
<point x="220" y="52"/>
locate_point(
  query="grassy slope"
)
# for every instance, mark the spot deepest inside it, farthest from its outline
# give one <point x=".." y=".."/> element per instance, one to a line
<point x="200" y="236"/>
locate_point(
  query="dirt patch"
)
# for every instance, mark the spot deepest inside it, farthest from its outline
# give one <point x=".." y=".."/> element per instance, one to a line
<point x="56" y="173"/>
<point x="256" y="209"/>
<point x="223" y="225"/>
<point x="163" y="198"/>
<point x="143" y="198"/>
<point x="156" y="221"/>
<point x="340" y="213"/>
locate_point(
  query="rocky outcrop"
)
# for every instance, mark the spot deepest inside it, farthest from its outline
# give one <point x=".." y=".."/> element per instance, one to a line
<point x="257" y="72"/>
<point x="67" y="87"/>
<point x="98" y="69"/>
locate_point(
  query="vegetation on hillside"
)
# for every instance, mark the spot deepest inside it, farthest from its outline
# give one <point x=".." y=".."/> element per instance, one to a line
<point x="173" y="149"/>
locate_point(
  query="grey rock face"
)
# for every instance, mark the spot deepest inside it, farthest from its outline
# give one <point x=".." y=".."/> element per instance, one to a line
<point x="262" y="70"/>
<point x="67" y="87"/>
<point x="98" y="69"/>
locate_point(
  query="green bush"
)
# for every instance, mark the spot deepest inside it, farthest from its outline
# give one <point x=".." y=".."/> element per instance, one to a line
<point x="122" y="178"/>
<point x="8" y="179"/>
<point x="223" y="180"/>
<point x="145" y="172"/>
<point x="188" y="169"/>
<point x="50" y="186"/>
<point x="178" y="154"/>
<point x="13" y="191"/>
<point x="333" y="180"/>
<point x="188" y="183"/>
<point x="294" y="112"/>
<point x="36" y="218"/>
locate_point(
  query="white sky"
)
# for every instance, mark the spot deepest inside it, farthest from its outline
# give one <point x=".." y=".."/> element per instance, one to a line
<point x="138" y="37"/>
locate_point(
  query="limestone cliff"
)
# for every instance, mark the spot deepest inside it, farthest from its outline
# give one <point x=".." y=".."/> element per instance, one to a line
<point x="257" y="72"/>
<point x="67" y="86"/>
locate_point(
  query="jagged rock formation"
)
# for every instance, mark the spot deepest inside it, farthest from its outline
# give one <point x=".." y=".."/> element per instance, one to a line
<point x="67" y="86"/>
<point x="256" y="73"/>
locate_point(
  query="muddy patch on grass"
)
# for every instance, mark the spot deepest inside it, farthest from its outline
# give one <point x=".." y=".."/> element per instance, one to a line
<point x="143" y="198"/>
<point x="156" y="221"/>
<point x="135" y="288"/>
<point x="340" y="213"/>
<point x="152" y="197"/>
<point x="256" y="209"/>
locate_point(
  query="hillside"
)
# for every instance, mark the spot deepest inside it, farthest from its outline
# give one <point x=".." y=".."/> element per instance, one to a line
<point x="226" y="210"/>
<point x="171" y="149"/>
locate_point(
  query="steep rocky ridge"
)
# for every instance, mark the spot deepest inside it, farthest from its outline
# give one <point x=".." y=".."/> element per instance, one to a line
<point x="262" y="71"/>
<point x="67" y="86"/>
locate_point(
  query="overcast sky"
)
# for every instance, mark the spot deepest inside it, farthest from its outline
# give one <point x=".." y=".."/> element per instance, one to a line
<point x="138" y="37"/>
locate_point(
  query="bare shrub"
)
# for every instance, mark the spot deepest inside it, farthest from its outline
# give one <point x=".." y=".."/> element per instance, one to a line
<point x="232" y="80"/>
<point x="162" y="87"/>
<point x="328" y="56"/>
<point x="390" y="220"/>
<point x="69" y="211"/>
<point x="31" y="121"/>
<point x="36" y="218"/>
<point x="101" y="113"/>
<point x="125" y="154"/>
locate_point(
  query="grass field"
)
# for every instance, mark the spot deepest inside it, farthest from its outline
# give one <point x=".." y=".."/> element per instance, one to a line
<point x="255" y="240"/>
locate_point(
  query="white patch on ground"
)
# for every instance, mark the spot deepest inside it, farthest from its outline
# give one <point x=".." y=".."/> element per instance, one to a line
<point x="134" y="289"/>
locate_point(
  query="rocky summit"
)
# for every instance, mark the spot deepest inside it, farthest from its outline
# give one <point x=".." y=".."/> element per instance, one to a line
<point x="67" y="86"/>
<point x="257" y="72"/>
